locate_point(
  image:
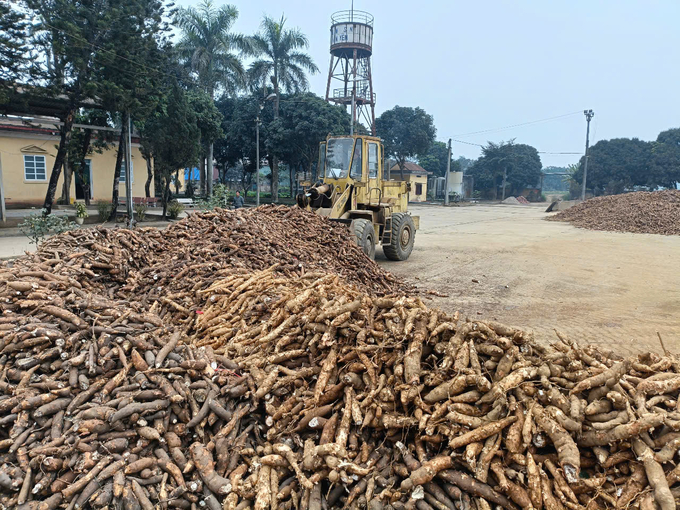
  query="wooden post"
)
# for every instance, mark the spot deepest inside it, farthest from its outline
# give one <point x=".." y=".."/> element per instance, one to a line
<point x="128" y="173"/>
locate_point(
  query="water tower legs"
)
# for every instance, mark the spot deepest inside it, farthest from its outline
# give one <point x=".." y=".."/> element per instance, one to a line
<point x="330" y="75"/>
<point x="370" y="85"/>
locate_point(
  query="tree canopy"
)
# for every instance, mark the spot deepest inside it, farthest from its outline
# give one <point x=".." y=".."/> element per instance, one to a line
<point x="407" y="133"/>
<point x="209" y="47"/>
<point x="624" y="164"/>
<point x="208" y="117"/>
<point x="172" y="135"/>
<point x="304" y="122"/>
<point x="464" y="163"/>
<point x="519" y="163"/>
<point x="238" y="148"/>
<point x="664" y="168"/>
<point x="67" y="35"/>
<point x="281" y="62"/>
<point x="13" y="47"/>
<point x="616" y="165"/>
<point x="435" y="160"/>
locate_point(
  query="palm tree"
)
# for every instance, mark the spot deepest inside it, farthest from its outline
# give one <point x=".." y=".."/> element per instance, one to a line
<point x="213" y="52"/>
<point x="282" y="64"/>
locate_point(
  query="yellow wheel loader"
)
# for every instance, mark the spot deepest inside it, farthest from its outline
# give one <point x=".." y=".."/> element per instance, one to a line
<point x="353" y="189"/>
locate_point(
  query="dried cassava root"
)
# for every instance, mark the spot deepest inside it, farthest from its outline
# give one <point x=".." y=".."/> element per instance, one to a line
<point x="223" y="387"/>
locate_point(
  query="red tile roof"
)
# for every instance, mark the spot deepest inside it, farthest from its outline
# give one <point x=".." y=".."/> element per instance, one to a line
<point x="411" y="168"/>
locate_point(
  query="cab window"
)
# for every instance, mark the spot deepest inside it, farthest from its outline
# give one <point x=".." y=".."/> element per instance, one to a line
<point x="355" y="172"/>
<point x="338" y="154"/>
<point x="372" y="160"/>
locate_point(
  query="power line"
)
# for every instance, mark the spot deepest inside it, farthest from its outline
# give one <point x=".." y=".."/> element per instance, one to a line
<point x="540" y="152"/>
<point x="517" y="125"/>
<point x="467" y="143"/>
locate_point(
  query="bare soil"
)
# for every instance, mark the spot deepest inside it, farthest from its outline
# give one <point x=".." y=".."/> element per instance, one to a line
<point x="506" y="263"/>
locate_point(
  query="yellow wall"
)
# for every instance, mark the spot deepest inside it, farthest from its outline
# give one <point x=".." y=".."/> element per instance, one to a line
<point x="417" y="179"/>
<point x="22" y="193"/>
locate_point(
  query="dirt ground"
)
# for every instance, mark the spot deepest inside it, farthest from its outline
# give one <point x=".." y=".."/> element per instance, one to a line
<point x="506" y="263"/>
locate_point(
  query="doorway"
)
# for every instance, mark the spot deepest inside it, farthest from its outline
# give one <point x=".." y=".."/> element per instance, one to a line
<point x="84" y="185"/>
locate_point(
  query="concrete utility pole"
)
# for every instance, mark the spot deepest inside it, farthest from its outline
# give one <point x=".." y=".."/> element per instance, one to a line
<point x="446" y="179"/>
<point x="257" y="158"/>
<point x="270" y="97"/>
<point x="589" y="115"/>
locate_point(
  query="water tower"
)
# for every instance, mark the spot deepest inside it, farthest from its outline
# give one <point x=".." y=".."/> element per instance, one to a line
<point x="349" y="76"/>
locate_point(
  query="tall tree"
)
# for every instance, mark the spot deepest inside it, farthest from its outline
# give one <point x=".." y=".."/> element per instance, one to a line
<point x="665" y="160"/>
<point x="304" y="122"/>
<point x="516" y="165"/>
<point x="211" y="49"/>
<point x="464" y="163"/>
<point x="282" y="64"/>
<point x="67" y="35"/>
<point x="209" y="120"/>
<point x="616" y="165"/>
<point x="173" y="136"/>
<point x="132" y="65"/>
<point x="407" y="133"/>
<point x="13" y="47"/>
<point x="237" y="149"/>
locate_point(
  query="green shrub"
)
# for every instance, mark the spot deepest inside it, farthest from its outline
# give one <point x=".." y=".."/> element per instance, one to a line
<point x="104" y="210"/>
<point x="174" y="209"/>
<point x="221" y="197"/>
<point x="566" y="196"/>
<point x="140" y="211"/>
<point x="81" y="210"/>
<point x="38" y="226"/>
<point x="543" y="198"/>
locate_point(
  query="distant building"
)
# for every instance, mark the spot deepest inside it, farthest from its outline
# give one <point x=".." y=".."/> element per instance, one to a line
<point x="414" y="174"/>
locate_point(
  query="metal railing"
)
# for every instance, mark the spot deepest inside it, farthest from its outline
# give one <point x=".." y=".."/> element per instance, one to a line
<point x="363" y="92"/>
<point x="352" y="17"/>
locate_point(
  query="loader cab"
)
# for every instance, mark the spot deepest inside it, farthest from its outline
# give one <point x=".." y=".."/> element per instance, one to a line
<point x="356" y="160"/>
<point x="352" y="162"/>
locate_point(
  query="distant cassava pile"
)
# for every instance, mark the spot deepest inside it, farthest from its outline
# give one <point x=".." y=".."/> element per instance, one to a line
<point x="641" y="212"/>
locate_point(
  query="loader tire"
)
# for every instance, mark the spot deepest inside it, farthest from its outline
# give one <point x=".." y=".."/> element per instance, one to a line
<point x="365" y="236"/>
<point x="403" y="237"/>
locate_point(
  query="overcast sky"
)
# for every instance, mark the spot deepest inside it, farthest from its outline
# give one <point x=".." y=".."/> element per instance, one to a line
<point x="481" y="65"/>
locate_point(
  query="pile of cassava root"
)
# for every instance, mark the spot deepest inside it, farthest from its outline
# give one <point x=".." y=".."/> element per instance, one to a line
<point x="263" y="389"/>
<point x="640" y="212"/>
<point x="208" y="242"/>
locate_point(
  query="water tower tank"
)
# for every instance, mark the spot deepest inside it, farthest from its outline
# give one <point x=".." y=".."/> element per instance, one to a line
<point x="349" y="78"/>
<point x="352" y="30"/>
